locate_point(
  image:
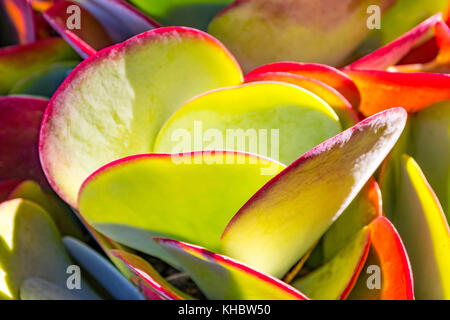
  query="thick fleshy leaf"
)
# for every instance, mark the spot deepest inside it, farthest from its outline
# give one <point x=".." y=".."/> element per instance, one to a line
<point x="114" y="103"/>
<point x="324" y="31"/>
<point x="101" y="270"/>
<point x="392" y="53"/>
<point x="424" y="229"/>
<point x="45" y="82"/>
<point x="222" y="278"/>
<point x="429" y="144"/>
<point x="190" y="197"/>
<point x="336" y="278"/>
<point x="413" y="91"/>
<point x="326" y="74"/>
<point x="63" y="217"/>
<point x="145" y="272"/>
<point x="387" y="263"/>
<point x="103" y="23"/>
<point x="335" y="100"/>
<point x="17" y="62"/>
<point x="336" y="169"/>
<point x="40" y="289"/>
<point x="364" y="209"/>
<point x="20" y="119"/>
<point x="190" y="13"/>
<point x="30" y="246"/>
<point x="279" y="121"/>
<point x="91" y="32"/>
<point x="406" y="14"/>
<point x="121" y="20"/>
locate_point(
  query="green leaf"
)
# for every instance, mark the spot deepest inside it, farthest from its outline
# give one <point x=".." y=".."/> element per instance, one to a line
<point x="424" y="229"/>
<point x="248" y="118"/>
<point x="101" y="270"/>
<point x="261" y="32"/>
<point x="190" y="197"/>
<point x="44" y="82"/>
<point x="336" y="278"/>
<point x="65" y="220"/>
<point x="114" y="103"/>
<point x="222" y="278"/>
<point x="291" y="213"/>
<point x="30" y="246"/>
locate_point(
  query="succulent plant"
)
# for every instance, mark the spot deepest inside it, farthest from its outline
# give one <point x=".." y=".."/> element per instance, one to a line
<point x="133" y="155"/>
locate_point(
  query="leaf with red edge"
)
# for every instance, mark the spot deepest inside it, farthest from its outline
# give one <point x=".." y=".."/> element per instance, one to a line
<point x="221" y="278"/>
<point x="151" y="277"/>
<point x="281" y="222"/>
<point x="20" y="120"/>
<point x="420" y="220"/>
<point x="389" y="255"/>
<point x="393" y="52"/>
<point x="91" y="34"/>
<point x="381" y="90"/>
<point x="115" y="102"/>
<point x="103" y="23"/>
<point x="17" y="62"/>
<point x="327" y="31"/>
<point x="364" y="209"/>
<point x="337" y="102"/>
<point x="326" y="74"/>
<point x="335" y="279"/>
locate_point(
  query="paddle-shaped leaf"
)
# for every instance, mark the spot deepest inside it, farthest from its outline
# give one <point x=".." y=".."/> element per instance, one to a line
<point x="30" y="246"/>
<point x="364" y="209"/>
<point x="114" y="103"/>
<point x="101" y="270"/>
<point x="281" y="222"/>
<point x="190" y="197"/>
<point x="20" y="119"/>
<point x="222" y="278"/>
<point x="336" y="278"/>
<point x="103" y="23"/>
<point x="429" y="145"/>
<point x="63" y="217"/>
<point x="387" y="273"/>
<point x="423" y="227"/>
<point x="264" y="31"/>
<point x="280" y="121"/>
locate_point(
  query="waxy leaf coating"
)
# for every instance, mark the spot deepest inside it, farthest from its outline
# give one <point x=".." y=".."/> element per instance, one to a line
<point x="31" y="247"/>
<point x="424" y="229"/>
<point x="189" y="196"/>
<point x="114" y="103"/>
<point x="335" y="279"/>
<point x="222" y="278"/>
<point x="251" y="111"/>
<point x="263" y="31"/>
<point x="387" y="273"/>
<point x="281" y="222"/>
